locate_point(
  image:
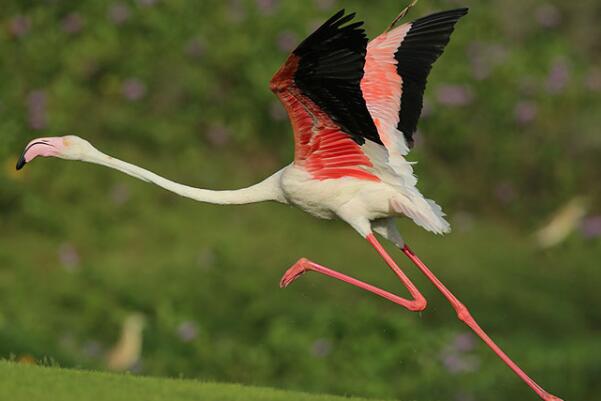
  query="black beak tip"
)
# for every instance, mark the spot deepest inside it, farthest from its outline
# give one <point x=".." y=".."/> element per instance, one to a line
<point x="21" y="163"/>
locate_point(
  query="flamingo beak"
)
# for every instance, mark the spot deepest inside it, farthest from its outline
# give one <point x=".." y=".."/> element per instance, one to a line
<point x="21" y="162"/>
<point x="37" y="147"/>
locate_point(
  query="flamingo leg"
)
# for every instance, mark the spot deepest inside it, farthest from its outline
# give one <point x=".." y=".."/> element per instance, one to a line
<point x="465" y="316"/>
<point x="418" y="303"/>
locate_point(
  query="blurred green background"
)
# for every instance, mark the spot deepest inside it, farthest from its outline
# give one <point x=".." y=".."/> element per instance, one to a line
<point x="509" y="134"/>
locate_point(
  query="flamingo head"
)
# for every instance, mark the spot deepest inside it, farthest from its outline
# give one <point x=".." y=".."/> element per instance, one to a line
<point x="68" y="147"/>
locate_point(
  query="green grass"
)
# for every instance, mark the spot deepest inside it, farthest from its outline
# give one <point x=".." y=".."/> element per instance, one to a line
<point x="20" y="382"/>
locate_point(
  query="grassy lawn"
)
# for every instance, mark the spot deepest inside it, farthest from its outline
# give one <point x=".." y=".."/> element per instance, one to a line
<point x="20" y="382"/>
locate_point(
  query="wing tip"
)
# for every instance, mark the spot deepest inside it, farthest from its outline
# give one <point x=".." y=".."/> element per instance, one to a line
<point x="336" y="24"/>
<point x="451" y="15"/>
<point x="419" y="44"/>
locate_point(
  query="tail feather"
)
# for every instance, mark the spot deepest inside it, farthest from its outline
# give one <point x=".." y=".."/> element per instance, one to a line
<point x="395" y="170"/>
<point x="424" y="212"/>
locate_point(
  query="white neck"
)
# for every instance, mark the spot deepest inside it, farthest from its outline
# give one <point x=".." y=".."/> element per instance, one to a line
<point x="267" y="190"/>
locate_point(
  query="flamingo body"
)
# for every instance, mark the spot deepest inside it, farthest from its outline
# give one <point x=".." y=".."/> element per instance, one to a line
<point x="348" y="101"/>
<point x="336" y="198"/>
<point x="352" y="198"/>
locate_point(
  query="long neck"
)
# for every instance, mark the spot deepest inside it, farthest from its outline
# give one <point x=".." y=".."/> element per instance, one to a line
<point x="267" y="190"/>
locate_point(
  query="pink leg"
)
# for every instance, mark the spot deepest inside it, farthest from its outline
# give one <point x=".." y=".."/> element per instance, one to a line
<point x="465" y="316"/>
<point x="418" y="303"/>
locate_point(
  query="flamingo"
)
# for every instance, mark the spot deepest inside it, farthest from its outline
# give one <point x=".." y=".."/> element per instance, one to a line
<point x="354" y="106"/>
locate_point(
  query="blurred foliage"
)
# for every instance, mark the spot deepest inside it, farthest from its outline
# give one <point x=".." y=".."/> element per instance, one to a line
<point x="517" y="89"/>
<point x="510" y="132"/>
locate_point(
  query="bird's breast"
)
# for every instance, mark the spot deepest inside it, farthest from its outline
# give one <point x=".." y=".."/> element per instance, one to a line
<point x="324" y="198"/>
<point x="308" y="194"/>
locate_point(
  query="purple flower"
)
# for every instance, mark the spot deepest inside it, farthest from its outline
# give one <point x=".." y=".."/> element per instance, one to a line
<point x="481" y="68"/>
<point x="287" y="41"/>
<point x="483" y="57"/>
<point x="266" y="7"/>
<point x="591" y="227"/>
<point x="452" y="363"/>
<point x="456" y="364"/>
<point x="479" y="63"/>
<point x="455" y="356"/>
<point x="119" y="13"/>
<point x="72" y="23"/>
<point x="547" y="15"/>
<point x="92" y="349"/>
<point x="237" y="12"/>
<point x="68" y="256"/>
<point x="187" y="331"/>
<point x="133" y="89"/>
<point x="19" y="26"/>
<point x="147" y="3"/>
<point x="525" y="112"/>
<point x="321" y="348"/>
<point x="324" y="4"/>
<point x="67" y="340"/>
<point x="218" y="135"/>
<point x="454" y="95"/>
<point x="36" y="108"/>
<point x="464" y="342"/>
<point x="558" y="77"/>
<point x="195" y="48"/>
<point x="461" y="396"/>
<point x="138" y="367"/>
<point x="505" y="192"/>
<point x="593" y="80"/>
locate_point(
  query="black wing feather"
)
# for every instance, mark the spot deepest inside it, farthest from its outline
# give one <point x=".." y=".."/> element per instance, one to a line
<point x="423" y="44"/>
<point x="330" y="70"/>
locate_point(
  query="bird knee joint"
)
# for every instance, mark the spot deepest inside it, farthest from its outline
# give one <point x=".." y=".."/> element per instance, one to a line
<point x="302" y="262"/>
<point x="419" y="305"/>
<point x="463" y="313"/>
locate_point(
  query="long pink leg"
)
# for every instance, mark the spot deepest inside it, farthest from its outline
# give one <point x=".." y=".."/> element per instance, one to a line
<point x="418" y="303"/>
<point x="465" y="316"/>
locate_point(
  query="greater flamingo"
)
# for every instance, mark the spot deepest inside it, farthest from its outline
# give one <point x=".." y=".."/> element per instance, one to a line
<point x="354" y="107"/>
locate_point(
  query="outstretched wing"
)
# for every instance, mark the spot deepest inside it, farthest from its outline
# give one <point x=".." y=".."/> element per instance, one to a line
<point x="319" y="85"/>
<point x="396" y="70"/>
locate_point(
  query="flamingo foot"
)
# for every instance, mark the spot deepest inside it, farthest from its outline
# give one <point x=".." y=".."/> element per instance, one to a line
<point x="295" y="272"/>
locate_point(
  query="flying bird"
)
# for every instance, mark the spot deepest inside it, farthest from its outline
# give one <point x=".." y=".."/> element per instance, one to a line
<point x="354" y="107"/>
